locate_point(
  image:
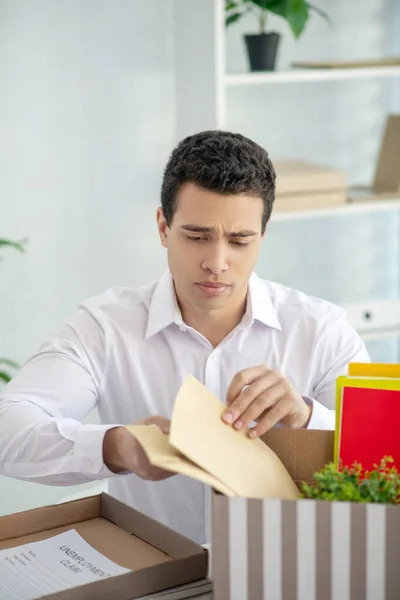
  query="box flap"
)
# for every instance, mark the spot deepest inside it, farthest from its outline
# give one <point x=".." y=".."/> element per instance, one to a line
<point x="302" y="451"/>
<point x="49" y="517"/>
<point x="156" y="534"/>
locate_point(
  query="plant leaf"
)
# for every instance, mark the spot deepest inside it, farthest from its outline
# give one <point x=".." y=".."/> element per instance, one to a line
<point x="231" y="4"/>
<point x="262" y="3"/>
<point x="278" y="7"/>
<point x="4" y="377"/>
<point x="9" y="363"/>
<point x="17" y="245"/>
<point x="320" y="12"/>
<point x="297" y="16"/>
<point x="296" y="12"/>
<point x="232" y="19"/>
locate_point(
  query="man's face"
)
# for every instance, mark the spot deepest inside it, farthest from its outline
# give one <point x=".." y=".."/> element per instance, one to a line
<point x="213" y="244"/>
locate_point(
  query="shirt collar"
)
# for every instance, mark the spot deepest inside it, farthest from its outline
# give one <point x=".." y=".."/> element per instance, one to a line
<point x="164" y="309"/>
<point x="259" y="304"/>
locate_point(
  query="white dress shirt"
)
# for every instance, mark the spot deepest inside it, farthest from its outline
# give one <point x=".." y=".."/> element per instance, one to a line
<point x="127" y="352"/>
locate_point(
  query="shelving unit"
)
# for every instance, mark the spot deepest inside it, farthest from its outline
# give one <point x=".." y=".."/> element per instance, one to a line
<point x="203" y="90"/>
<point x="351" y="208"/>
<point x="310" y="75"/>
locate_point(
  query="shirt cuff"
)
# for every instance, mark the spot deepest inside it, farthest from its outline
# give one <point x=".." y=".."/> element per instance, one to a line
<point x="88" y="448"/>
<point x="321" y="417"/>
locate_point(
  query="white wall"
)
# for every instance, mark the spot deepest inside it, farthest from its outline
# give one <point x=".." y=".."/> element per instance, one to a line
<point x="86" y="125"/>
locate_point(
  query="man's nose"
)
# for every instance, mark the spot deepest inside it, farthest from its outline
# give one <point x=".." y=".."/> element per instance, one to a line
<point x="216" y="260"/>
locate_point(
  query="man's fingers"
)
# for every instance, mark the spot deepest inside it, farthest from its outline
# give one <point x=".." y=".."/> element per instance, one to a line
<point x="273" y="416"/>
<point x="261" y="405"/>
<point x="250" y="395"/>
<point x="245" y="377"/>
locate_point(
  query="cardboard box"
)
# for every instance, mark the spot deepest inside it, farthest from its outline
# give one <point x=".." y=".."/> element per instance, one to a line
<point x="302" y="185"/>
<point x="267" y="543"/>
<point x="158" y="557"/>
<point x="276" y="549"/>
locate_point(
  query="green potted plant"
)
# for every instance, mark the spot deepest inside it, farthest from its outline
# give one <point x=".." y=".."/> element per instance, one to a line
<point x="5" y="363"/>
<point x="353" y="484"/>
<point x="262" y="47"/>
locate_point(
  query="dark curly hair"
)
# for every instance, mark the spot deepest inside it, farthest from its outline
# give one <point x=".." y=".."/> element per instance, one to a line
<point x="223" y="162"/>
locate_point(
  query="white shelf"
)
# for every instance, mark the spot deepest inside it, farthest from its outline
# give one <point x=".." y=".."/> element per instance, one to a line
<point x="375" y="320"/>
<point x="307" y="75"/>
<point x="350" y="208"/>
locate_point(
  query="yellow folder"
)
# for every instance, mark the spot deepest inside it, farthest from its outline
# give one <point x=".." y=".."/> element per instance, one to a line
<point x="374" y="370"/>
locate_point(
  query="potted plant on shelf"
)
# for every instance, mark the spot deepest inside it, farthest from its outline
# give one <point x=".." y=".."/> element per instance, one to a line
<point x="5" y="363"/>
<point x="262" y="47"/>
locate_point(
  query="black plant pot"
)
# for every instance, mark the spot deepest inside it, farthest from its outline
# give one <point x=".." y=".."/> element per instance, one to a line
<point x="262" y="49"/>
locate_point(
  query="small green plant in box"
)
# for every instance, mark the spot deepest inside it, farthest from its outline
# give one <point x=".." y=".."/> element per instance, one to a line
<point x="353" y="484"/>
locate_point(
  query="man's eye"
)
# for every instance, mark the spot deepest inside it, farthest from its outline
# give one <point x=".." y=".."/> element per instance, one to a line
<point x="194" y="239"/>
<point x="242" y="244"/>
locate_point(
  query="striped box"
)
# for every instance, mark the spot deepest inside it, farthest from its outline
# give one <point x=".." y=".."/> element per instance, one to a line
<point x="304" y="550"/>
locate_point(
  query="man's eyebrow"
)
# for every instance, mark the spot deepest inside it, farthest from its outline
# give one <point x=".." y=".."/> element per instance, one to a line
<point x="200" y="229"/>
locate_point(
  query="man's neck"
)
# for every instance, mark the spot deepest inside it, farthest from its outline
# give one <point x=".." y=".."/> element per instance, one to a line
<point x="215" y="325"/>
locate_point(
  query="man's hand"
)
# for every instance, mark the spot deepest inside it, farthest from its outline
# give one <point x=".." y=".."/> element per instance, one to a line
<point x="269" y="399"/>
<point x="122" y="452"/>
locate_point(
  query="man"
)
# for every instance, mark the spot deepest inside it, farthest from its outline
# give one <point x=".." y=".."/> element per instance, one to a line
<point x="272" y="353"/>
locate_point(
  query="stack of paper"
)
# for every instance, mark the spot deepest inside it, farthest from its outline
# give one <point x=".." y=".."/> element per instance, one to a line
<point x="368" y="415"/>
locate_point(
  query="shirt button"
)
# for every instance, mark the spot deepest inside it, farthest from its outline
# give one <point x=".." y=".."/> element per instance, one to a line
<point x="89" y="464"/>
<point x="45" y="470"/>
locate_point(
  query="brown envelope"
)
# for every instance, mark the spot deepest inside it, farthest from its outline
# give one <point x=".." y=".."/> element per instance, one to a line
<point x="201" y="446"/>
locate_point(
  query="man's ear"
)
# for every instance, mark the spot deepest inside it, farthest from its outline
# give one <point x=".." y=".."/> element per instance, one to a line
<point x="162" y="227"/>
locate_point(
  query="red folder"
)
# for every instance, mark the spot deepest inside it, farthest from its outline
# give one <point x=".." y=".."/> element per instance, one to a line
<point x="370" y="426"/>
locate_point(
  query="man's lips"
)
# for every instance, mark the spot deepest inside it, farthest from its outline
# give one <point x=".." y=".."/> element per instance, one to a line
<point x="211" y="288"/>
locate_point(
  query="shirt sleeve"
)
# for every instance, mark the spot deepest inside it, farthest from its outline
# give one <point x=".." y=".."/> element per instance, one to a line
<point x="338" y="346"/>
<point x="42" y="437"/>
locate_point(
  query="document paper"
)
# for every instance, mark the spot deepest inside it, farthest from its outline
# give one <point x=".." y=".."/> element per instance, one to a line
<point x="200" y="445"/>
<point x="61" y="562"/>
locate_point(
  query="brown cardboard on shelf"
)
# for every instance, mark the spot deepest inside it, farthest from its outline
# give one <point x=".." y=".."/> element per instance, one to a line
<point x="386" y="180"/>
<point x="302" y="184"/>
<point x="158" y="557"/>
<point x="387" y="175"/>
<point x="393" y="61"/>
